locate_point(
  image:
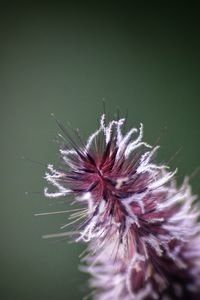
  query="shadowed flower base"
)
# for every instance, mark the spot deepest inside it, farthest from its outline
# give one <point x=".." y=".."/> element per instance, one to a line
<point x="141" y="229"/>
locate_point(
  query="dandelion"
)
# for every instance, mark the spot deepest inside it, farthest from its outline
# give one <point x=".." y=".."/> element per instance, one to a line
<point x="142" y="230"/>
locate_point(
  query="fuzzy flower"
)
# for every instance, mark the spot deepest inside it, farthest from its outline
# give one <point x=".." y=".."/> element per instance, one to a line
<point x="141" y="229"/>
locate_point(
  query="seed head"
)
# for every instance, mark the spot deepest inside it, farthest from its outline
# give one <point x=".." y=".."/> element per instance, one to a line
<point x="142" y="229"/>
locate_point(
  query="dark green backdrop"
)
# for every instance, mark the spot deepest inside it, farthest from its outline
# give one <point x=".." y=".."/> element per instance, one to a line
<point x="64" y="59"/>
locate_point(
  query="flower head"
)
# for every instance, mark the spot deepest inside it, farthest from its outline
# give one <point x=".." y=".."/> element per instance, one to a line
<point x="142" y="229"/>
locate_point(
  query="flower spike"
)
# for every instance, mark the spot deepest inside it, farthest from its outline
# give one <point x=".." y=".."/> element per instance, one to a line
<point x="142" y="230"/>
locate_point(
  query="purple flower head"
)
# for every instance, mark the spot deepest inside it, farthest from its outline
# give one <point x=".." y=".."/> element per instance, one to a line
<point x="141" y="229"/>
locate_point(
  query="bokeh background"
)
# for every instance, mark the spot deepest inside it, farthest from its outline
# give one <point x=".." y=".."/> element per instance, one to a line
<point x="65" y="58"/>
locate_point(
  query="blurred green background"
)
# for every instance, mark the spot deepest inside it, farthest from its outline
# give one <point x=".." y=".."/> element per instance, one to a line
<point x="65" y="59"/>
